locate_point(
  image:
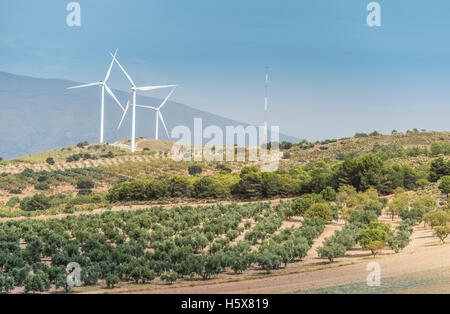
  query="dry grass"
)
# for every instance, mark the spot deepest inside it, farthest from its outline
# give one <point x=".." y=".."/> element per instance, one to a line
<point x="365" y="145"/>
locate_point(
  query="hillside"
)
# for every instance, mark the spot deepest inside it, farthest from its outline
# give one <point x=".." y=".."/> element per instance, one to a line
<point x="109" y="164"/>
<point x="339" y="149"/>
<point x="225" y="227"/>
<point x="41" y="114"/>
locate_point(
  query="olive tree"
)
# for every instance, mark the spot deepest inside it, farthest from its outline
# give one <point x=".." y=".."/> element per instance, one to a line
<point x="331" y="249"/>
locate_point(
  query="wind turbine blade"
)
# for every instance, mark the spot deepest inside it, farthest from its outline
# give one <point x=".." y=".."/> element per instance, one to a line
<point x="149" y="107"/>
<point x="113" y="96"/>
<point x="167" y="98"/>
<point x="124" y="113"/>
<point x="86" y="85"/>
<point x="148" y="88"/>
<point x="110" y="68"/>
<point x="123" y="70"/>
<point x="164" y="124"/>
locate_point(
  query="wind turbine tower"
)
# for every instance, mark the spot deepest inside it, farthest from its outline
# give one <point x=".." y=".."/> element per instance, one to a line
<point x="132" y="102"/>
<point x="266" y="102"/>
<point x="104" y="86"/>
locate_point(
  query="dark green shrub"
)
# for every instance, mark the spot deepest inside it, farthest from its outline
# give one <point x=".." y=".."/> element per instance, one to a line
<point x="85" y="184"/>
<point x="42" y="187"/>
<point x="194" y="170"/>
<point x="50" y="161"/>
<point x="36" y="202"/>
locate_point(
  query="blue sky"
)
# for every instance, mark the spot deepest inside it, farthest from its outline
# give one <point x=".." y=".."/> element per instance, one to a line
<point x="331" y="75"/>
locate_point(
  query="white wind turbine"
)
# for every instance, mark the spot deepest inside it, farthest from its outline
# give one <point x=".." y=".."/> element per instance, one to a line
<point x="159" y="114"/>
<point x="104" y="87"/>
<point x="134" y="90"/>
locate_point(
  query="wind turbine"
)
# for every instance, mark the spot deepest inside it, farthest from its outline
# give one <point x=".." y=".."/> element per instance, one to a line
<point x="104" y="87"/>
<point x="159" y="114"/>
<point x="132" y="99"/>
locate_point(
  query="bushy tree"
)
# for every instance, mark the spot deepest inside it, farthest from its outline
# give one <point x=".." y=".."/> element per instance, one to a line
<point x="268" y="260"/>
<point x="180" y="186"/>
<point x="250" y="184"/>
<point x="85" y="184"/>
<point x="322" y="210"/>
<point x="206" y="266"/>
<point x="438" y="169"/>
<point x="38" y="282"/>
<point x="329" y="194"/>
<point x="444" y="187"/>
<point x="194" y="170"/>
<point x="399" y="240"/>
<point x="36" y="202"/>
<point x="331" y="250"/>
<point x="50" y="161"/>
<point x="374" y="237"/>
<point x="303" y="203"/>
<point x="6" y="283"/>
<point x="442" y="232"/>
<point x="112" y="280"/>
<point x="398" y="204"/>
<point x="362" y="218"/>
<point x="439" y="148"/>
<point x="375" y="246"/>
<point x="424" y="204"/>
<point x="414" y="215"/>
<point x="437" y="218"/>
<point x="170" y="277"/>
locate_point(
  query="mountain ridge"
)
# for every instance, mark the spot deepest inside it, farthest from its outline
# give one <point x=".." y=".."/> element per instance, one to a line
<point x="37" y="114"/>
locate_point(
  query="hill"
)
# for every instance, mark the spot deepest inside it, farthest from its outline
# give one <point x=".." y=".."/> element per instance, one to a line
<point x="339" y="149"/>
<point x="41" y="114"/>
<point x="106" y="202"/>
<point x="109" y="164"/>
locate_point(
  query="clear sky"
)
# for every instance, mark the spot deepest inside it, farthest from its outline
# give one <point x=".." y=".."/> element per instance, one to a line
<point x="331" y="74"/>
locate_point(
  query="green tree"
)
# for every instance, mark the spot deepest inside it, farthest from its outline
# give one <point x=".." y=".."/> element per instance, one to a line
<point x="34" y="203"/>
<point x="170" y="277"/>
<point x="442" y="232"/>
<point x="322" y="210"/>
<point x="303" y="203"/>
<point x="399" y="241"/>
<point x="331" y="250"/>
<point x="85" y="184"/>
<point x="38" y="282"/>
<point x="374" y="237"/>
<point x="437" y="218"/>
<point x="397" y="205"/>
<point x="424" y="204"/>
<point x="268" y="260"/>
<point x="422" y="183"/>
<point x="444" y="187"/>
<point x="251" y="183"/>
<point x="375" y="246"/>
<point x="180" y="186"/>
<point x="329" y="194"/>
<point x="61" y="282"/>
<point x="50" y="161"/>
<point x="207" y="266"/>
<point x="194" y="170"/>
<point x="438" y="169"/>
<point x="112" y="280"/>
<point x="6" y="284"/>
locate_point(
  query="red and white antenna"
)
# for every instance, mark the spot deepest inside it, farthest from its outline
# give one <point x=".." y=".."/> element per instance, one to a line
<point x="266" y="102"/>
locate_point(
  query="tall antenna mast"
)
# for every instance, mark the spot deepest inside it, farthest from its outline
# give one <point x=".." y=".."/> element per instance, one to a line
<point x="266" y="102"/>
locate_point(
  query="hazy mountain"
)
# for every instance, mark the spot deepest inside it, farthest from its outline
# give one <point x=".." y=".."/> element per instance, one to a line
<point x="39" y="114"/>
